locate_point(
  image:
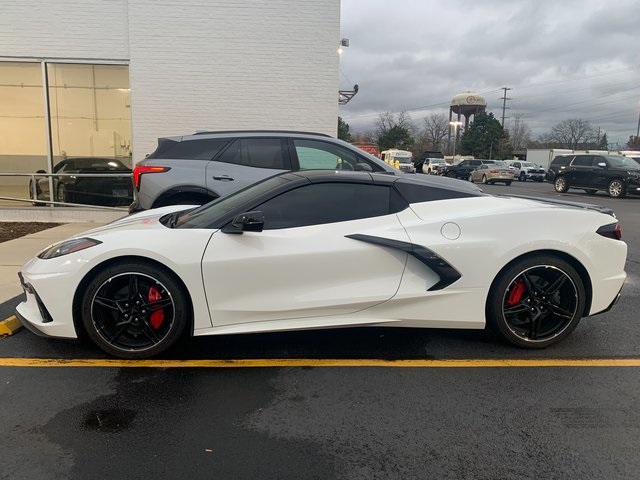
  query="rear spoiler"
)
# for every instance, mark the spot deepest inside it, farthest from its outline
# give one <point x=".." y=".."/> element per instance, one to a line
<point x="568" y="203"/>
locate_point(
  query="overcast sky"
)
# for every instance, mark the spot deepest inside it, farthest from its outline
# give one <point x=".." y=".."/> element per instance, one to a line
<point x="562" y="59"/>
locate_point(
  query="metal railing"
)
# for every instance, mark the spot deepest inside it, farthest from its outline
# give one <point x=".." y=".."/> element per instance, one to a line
<point x="51" y="202"/>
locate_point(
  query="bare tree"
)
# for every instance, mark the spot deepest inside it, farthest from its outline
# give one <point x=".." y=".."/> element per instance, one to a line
<point x="573" y="133"/>
<point x="519" y="133"/>
<point x="436" y="128"/>
<point x="388" y="120"/>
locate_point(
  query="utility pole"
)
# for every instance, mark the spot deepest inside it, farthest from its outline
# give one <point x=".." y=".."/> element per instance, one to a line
<point x="504" y="103"/>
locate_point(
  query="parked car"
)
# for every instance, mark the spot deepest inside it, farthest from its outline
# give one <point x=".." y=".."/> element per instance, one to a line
<point x="464" y="168"/>
<point x="499" y="172"/>
<point x="317" y="249"/>
<point x="195" y="169"/>
<point x="109" y="190"/>
<point x="615" y="174"/>
<point x="524" y="171"/>
<point x="432" y="166"/>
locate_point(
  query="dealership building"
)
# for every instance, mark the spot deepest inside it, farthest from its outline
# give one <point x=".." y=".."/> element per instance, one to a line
<point x="108" y="77"/>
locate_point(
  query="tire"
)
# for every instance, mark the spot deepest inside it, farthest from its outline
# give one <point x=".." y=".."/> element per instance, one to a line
<point x="131" y="330"/>
<point x="616" y="188"/>
<point x="590" y="191"/>
<point x="523" y="177"/>
<point x="451" y="174"/>
<point x="484" y="179"/>
<point x="508" y="184"/>
<point x="560" y="184"/>
<point x="536" y="302"/>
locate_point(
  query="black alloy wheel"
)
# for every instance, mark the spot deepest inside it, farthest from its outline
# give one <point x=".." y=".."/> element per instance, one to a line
<point x="134" y="311"/>
<point x="616" y="188"/>
<point x="536" y="302"/>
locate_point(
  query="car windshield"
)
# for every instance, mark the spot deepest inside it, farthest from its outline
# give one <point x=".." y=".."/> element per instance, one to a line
<point x="438" y="160"/>
<point x="622" y="162"/>
<point x="210" y="213"/>
<point x="528" y="164"/>
<point x="403" y="159"/>
<point x="501" y="164"/>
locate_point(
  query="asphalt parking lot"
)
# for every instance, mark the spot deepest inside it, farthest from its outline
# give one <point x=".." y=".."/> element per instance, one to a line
<point x="343" y="404"/>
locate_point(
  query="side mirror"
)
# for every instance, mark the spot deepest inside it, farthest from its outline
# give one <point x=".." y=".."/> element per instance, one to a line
<point x="602" y="165"/>
<point x="363" y="167"/>
<point x="246" y="222"/>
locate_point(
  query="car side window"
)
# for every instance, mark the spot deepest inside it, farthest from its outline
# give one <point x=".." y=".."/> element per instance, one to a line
<point x="516" y="165"/>
<point x="322" y="203"/>
<point x="256" y="152"/>
<point x="198" y="149"/>
<point x="475" y="163"/>
<point x="315" y="154"/>
<point x="582" y="161"/>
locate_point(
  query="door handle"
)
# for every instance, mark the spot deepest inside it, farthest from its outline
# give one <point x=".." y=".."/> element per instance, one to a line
<point x="225" y="178"/>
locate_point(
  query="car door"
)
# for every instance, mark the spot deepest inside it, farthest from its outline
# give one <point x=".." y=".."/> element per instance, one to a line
<point x="246" y="161"/>
<point x="579" y="174"/>
<point x="303" y="265"/>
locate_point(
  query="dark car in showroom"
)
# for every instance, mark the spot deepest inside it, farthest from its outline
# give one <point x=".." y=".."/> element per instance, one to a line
<point x="614" y="174"/>
<point x="114" y="188"/>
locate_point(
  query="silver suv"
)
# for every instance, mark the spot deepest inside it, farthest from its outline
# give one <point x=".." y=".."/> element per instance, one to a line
<point x="195" y="169"/>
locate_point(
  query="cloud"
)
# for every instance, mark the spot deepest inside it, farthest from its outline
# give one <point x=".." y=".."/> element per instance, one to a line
<point x="561" y="59"/>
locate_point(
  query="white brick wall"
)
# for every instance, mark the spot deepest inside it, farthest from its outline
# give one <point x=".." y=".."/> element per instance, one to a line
<point x="64" y="29"/>
<point x="196" y="64"/>
<point x="231" y="64"/>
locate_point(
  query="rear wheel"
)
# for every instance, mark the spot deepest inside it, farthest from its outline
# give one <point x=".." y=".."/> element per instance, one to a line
<point x="536" y="302"/>
<point x="616" y="188"/>
<point x="134" y="310"/>
<point x="560" y="184"/>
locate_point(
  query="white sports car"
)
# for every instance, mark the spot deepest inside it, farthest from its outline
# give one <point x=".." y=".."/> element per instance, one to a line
<point x="324" y="249"/>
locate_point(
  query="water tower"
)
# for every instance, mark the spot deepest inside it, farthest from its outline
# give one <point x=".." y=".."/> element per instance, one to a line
<point x="465" y="104"/>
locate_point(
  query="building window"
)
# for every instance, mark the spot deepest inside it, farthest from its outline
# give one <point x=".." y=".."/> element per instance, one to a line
<point x="89" y="116"/>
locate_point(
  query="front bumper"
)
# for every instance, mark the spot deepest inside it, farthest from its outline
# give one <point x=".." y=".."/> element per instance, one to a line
<point x="35" y="316"/>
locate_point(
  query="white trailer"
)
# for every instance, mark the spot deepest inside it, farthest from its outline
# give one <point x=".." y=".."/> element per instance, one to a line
<point x="543" y="156"/>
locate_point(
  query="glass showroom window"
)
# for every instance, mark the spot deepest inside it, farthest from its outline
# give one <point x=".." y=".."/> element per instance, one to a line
<point x="23" y="147"/>
<point x="90" y="111"/>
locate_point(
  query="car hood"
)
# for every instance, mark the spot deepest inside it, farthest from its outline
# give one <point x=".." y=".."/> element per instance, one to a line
<point x="143" y="220"/>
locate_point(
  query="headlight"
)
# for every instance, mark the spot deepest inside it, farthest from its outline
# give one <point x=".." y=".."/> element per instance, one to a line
<point x="68" y="246"/>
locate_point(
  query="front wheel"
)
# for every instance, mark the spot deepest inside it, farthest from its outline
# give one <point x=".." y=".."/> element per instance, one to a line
<point x="133" y="310"/>
<point x="616" y="188"/>
<point x="561" y="185"/>
<point x="536" y="302"/>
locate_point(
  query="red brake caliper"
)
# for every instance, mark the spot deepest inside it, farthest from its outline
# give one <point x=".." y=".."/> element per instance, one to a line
<point x="515" y="294"/>
<point x="156" y="317"/>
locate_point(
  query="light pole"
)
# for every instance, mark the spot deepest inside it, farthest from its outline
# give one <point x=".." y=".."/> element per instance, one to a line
<point x="455" y="125"/>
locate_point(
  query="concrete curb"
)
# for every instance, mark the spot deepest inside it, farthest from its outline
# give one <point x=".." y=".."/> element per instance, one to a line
<point x="9" y="326"/>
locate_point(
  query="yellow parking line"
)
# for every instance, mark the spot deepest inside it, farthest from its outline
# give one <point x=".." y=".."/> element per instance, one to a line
<point x="302" y="362"/>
